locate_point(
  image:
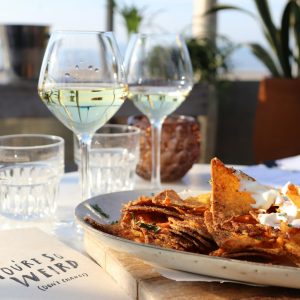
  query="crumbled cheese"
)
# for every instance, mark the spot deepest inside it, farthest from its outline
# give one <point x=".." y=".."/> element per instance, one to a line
<point x="186" y="193"/>
<point x="272" y="219"/>
<point x="295" y="223"/>
<point x="263" y="195"/>
<point x="289" y="208"/>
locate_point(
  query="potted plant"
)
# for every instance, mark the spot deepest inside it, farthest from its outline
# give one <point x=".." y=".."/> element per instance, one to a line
<point x="276" y="128"/>
<point x="210" y="58"/>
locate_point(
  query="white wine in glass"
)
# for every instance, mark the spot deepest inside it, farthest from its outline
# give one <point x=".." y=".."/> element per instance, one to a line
<point x="83" y="108"/>
<point x="82" y="82"/>
<point x="160" y="77"/>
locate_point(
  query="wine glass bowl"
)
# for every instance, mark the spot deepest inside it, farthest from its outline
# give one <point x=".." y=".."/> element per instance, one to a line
<point x="159" y="76"/>
<point x="83" y="83"/>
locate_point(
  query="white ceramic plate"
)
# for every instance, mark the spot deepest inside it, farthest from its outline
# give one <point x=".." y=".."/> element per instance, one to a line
<point x="256" y="273"/>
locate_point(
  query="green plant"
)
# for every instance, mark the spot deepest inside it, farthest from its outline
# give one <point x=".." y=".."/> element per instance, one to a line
<point x="210" y="58"/>
<point x="133" y="18"/>
<point x="284" y="50"/>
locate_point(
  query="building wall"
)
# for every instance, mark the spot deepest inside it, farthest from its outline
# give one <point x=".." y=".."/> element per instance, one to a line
<point x="237" y="104"/>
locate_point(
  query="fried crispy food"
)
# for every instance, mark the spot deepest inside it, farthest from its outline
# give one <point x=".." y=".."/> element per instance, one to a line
<point x="225" y="222"/>
<point x="291" y="242"/>
<point x="233" y="225"/>
<point x="227" y="199"/>
<point x="164" y="220"/>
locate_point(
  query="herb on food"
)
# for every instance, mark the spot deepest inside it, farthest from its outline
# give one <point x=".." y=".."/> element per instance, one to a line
<point x="99" y="210"/>
<point x="282" y="215"/>
<point x="148" y="226"/>
<point x="132" y="216"/>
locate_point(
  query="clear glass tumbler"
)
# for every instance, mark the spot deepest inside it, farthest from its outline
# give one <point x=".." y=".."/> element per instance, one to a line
<point x="31" y="166"/>
<point x="114" y="155"/>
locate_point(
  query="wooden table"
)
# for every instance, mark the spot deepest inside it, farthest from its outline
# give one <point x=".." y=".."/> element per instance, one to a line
<point x="142" y="282"/>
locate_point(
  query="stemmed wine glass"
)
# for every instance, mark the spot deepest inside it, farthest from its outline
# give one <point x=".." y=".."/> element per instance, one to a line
<point x="159" y="76"/>
<point x="82" y="82"/>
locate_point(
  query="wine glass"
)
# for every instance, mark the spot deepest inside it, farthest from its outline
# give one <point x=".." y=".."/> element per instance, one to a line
<point x="82" y="82"/>
<point x="159" y="77"/>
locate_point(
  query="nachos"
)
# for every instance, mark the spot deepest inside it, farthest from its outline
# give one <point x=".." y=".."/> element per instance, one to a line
<point x="240" y="219"/>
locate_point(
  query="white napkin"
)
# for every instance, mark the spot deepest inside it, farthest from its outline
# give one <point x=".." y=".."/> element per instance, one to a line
<point x="272" y="176"/>
<point x="290" y="163"/>
<point x="35" y="265"/>
<point x="186" y="276"/>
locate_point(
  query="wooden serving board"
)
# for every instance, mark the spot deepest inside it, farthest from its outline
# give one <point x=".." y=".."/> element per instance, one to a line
<point x="140" y="280"/>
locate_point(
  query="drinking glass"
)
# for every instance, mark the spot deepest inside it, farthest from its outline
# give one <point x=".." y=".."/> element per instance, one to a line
<point x="114" y="155"/>
<point x="159" y="77"/>
<point x="31" y="166"/>
<point x="82" y="82"/>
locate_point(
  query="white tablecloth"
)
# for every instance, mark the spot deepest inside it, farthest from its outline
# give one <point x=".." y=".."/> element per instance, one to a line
<point x="197" y="179"/>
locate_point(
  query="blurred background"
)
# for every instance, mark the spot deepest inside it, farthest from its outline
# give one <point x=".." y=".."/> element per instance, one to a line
<point x="227" y="74"/>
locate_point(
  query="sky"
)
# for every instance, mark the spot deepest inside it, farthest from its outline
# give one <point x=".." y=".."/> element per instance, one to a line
<point x="160" y="15"/>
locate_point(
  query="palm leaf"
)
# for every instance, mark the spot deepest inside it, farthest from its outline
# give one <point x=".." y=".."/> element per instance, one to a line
<point x="285" y="40"/>
<point x="279" y="61"/>
<point x="265" y="15"/>
<point x="220" y="7"/>
<point x="270" y="31"/>
<point x="265" y="58"/>
<point x="265" y="19"/>
<point x="296" y="14"/>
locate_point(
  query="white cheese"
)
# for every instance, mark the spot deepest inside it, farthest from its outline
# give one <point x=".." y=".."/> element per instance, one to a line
<point x="287" y="211"/>
<point x="289" y="208"/>
<point x="186" y="193"/>
<point x="263" y="195"/>
<point x="295" y="223"/>
<point x="272" y="219"/>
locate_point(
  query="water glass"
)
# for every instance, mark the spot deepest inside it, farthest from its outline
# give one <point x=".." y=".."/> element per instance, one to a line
<point x="114" y="154"/>
<point x="31" y="166"/>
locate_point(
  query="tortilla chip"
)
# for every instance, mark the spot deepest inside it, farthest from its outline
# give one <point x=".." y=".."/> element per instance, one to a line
<point x="227" y="200"/>
<point x="230" y="221"/>
<point x="195" y="225"/>
<point x="272" y="256"/>
<point x="152" y="211"/>
<point x="114" y="229"/>
<point x="291" y="241"/>
<point x="207" y="245"/>
<point x="167" y="197"/>
<point x="202" y="200"/>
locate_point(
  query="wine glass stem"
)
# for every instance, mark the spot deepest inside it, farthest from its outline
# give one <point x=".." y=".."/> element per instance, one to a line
<point x="84" y="144"/>
<point x="156" y="126"/>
